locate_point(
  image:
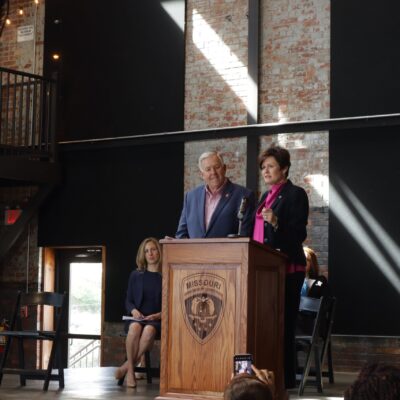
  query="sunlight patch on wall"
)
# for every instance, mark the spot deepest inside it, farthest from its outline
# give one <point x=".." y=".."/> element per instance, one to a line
<point x="352" y="222"/>
<point x="220" y="56"/>
<point x="176" y="11"/>
<point x="320" y="183"/>
<point x="381" y="235"/>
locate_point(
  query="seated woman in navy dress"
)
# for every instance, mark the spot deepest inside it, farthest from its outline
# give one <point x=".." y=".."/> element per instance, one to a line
<point x="143" y="302"/>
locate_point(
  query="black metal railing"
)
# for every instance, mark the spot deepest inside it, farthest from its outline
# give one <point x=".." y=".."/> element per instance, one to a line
<point x="27" y="115"/>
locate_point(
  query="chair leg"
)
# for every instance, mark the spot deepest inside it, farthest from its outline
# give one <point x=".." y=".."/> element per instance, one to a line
<point x="60" y="369"/>
<point x="50" y="366"/>
<point x="21" y="361"/>
<point x="306" y="370"/>
<point x="318" y="371"/>
<point x="148" y="367"/>
<point x="330" y="364"/>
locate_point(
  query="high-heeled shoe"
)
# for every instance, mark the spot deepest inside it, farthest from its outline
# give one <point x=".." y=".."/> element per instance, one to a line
<point x="119" y="373"/>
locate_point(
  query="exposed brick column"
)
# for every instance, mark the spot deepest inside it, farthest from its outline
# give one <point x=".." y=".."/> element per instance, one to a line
<point x="216" y="64"/>
<point x="294" y="60"/>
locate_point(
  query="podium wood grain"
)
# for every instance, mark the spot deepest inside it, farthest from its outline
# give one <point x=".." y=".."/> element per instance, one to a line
<point x="249" y="280"/>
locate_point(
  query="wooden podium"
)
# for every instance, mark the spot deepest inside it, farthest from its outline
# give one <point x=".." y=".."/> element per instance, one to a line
<point x="220" y="297"/>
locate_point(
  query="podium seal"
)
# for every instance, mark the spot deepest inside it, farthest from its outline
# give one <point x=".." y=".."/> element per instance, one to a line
<point x="203" y="298"/>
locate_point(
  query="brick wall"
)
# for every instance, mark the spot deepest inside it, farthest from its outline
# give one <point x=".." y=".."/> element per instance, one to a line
<point x="350" y="353"/>
<point x="234" y="152"/>
<point x="310" y="170"/>
<point x="21" y="267"/>
<point x="20" y="270"/>
<point x="295" y="60"/>
<point x="294" y="85"/>
<point x="113" y="344"/>
<point x="24" y="56"/>
<point x="22" y="264"/>
<point x="216" y="64"/>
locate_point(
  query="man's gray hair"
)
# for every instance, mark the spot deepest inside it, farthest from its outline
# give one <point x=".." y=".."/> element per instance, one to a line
<point x="207" y="154"/>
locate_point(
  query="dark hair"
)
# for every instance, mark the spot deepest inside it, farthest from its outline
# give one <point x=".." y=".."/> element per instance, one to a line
<point x="281" y="155"/>
<point x="247" y="387"/>
<point x="376" y="381"/>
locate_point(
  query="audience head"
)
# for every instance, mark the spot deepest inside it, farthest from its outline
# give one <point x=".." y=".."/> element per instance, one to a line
<point x="312" y="268"/>
<point x="149" y="252"/>
<point x="281" y="156"/>
<point x="376" y="381"/>
<point x="247" y="387"/>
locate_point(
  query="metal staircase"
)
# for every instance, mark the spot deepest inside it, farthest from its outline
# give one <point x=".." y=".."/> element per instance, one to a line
<point x="28" y="156"/>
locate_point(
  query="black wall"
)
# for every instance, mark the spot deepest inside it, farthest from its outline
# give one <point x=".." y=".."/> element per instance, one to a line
<point x="365" y="65"/>
<point x="365" y="57"/>
<point x="365" y="164"/>
<point x="121" y="70"/>
<point x="115" y="197"/>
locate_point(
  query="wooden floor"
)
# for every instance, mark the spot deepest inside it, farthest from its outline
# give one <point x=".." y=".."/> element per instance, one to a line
<point x="99" y="384"/>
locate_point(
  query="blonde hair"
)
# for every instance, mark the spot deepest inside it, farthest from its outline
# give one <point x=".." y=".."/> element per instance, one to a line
<point x="314" y="267"/>
<point x="140" y="257"/>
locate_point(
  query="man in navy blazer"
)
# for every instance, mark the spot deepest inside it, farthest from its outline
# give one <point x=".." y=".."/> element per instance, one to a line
<point x="210" y="210"/>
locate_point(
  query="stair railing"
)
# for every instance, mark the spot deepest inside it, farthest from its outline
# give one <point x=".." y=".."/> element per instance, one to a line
<point x="27" y="115"/>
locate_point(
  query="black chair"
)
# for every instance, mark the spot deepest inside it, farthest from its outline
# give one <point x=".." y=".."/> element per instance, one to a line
<point x="55" y="300"/>
<point x="147" y="369"/>
<point x="320" y="288"/>
<point x="313" y="337"/>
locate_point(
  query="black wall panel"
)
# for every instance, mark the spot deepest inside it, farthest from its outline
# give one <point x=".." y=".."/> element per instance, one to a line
<point x="365" y="57"/>
<point x="121" y="70"/>
<point x="115" y="197"/>
<point x="364" y="228"/>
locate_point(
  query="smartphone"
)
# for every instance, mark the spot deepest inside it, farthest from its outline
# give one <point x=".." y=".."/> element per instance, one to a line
<point x="242" y="364"/>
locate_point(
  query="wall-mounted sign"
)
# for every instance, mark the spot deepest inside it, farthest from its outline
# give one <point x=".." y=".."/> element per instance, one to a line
<point x="11" y="216"/>
<point x="25" y="33"/>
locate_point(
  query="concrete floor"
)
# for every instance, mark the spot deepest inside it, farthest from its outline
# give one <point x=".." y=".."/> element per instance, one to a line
<point x="99" y="384"/>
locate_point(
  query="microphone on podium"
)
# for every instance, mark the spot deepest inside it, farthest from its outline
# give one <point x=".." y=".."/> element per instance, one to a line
<point x="240" y="216"/>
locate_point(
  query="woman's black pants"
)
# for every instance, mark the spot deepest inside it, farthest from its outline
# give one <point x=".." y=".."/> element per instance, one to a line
<point x="293" y="285"/>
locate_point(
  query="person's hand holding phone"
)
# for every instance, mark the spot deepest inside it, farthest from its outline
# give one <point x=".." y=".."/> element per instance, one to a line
<point x="265" y="376"/>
